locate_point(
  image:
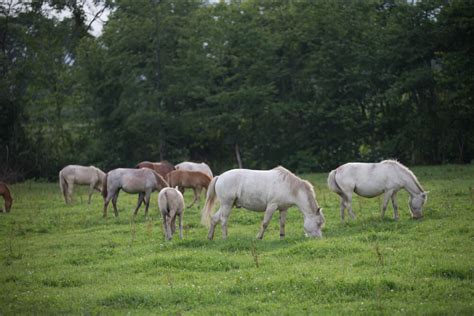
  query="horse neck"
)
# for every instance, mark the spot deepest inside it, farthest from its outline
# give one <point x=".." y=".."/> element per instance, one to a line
<point x="305" y="202"/>
<point x="411" y="185"/>
<point x="160" y="182"/>
<point x="6" y="194"/>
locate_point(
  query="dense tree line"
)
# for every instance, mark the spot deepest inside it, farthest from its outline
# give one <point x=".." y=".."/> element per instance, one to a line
<point x="304" y="84"/>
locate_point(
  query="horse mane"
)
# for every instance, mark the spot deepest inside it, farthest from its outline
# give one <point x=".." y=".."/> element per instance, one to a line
<point x="159" y="179"/>
<point x="404" y="168"/>
<point x="297" y="183"/>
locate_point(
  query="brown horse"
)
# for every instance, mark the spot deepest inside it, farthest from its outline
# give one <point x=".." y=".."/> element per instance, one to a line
<point x="5" y="192"/>
<point x="189" y="179"/>
<point x="162" y="168"/>
<point x="141" y="181"/>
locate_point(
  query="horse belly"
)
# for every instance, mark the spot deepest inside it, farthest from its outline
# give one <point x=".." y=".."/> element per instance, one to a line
<point x="85" y="176"/>
<point x="251" y="205"/>
<point x="368" y="191"/>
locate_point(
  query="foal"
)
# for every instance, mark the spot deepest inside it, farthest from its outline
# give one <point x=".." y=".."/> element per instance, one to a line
<point x="5" y="192"/>
<point x="171" y="204"/>
<point x="189" y="179"/>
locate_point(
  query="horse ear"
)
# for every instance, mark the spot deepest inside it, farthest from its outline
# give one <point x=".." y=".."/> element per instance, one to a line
<point x="318" y="211"/>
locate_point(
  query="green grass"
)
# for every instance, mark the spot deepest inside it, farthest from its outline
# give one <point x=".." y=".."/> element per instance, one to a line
<point x="62" y="259"/>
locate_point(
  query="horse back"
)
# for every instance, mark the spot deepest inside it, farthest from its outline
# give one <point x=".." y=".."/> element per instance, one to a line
<point x="367" y="179"/>
<point x="188" y="178"/>
<point x="4" y="191"/>
<point x="255" y="189"/>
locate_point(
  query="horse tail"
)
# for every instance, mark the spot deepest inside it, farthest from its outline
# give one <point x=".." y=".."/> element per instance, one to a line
<point x="210" y="199"/>
<point x="63" y="186"/>
<point x="332" y="183"/>
<point x="163" y="203"/>
<point x="104" y="186"/>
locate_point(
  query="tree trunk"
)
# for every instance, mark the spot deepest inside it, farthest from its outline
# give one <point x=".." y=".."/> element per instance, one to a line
<point x="237" y="155"/>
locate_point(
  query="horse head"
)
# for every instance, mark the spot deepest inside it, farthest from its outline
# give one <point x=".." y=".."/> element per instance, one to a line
<point x="8" y="204"/>
<point x="416" y="203"/>
<point x="313" y="224"/>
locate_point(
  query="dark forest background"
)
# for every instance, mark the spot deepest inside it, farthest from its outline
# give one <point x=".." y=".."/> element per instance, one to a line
<point x="304" y="84"/>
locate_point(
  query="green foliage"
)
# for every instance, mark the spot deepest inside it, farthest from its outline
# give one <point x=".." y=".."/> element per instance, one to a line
<point x="305" y="84"/>
<point x="59" y="258"/>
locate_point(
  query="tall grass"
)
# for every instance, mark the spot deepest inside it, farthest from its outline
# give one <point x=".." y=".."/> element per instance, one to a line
<point x="59" y="258"/>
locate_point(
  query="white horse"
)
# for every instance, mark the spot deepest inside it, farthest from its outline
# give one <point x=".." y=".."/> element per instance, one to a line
<point x="74" y="174"/>
<point x="262" y="190"/>
<point x="171" y="204"/>
<point x="194" y="166"/>
<point x="373" y="179"/>
<point x="142" y="181"/>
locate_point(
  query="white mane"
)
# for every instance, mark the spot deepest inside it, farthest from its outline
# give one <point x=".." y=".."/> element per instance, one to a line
<point x="395" y="162"/>
<point x="297" y="183"/>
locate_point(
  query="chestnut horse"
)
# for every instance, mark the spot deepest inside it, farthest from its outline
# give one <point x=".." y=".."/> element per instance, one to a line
<point x="5" y="192"/>
<point x="162" y="168"/>
<point x="189" y="179"/>
<point x="141" y="181"/>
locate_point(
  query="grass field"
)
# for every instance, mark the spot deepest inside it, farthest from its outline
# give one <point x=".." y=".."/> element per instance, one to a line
<point x="68" y="259"/>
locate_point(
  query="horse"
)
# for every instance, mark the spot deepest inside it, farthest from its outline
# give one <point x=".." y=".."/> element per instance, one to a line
<point x="189" y="179"/>
<point x="5" y="192"/>
<point x="162" y="168"/>
<point x="262" y="190"/>
<point x="373" y="179"/>
<point x="141" y="181"/>
<point x="74" y="174"/>
<point x="171" y="204"/>
<point x="194" y="166"/>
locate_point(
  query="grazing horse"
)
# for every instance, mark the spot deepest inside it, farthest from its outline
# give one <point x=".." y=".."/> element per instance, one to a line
<point x="74" y="174"/>
<point x="141" y="181"/>
<point x="373" y="179"/>
<point x="162" y="168"/>
<point x="262" y="190"/>
<point x="194" y="166"/>
<point x="189" y="179"/>
<point x="5" y="192"/>
<point x="171" y="204"/>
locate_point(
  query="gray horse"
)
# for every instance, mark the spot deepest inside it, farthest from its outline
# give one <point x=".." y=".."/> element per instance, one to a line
<point x="142" y="181"/>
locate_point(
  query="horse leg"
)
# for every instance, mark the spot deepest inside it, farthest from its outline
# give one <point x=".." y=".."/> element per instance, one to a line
<point x="195" y="198"/>
<point x="180" y="226"/>
<point x="395" y="206"/>
<point x="219" y="217"/>
<point x="114" y="202"/>
<point x="107" y="201"/>
<point x="166" y="227"/>
<point x="139" y="203"/>
<point x="199" y="190"/>
<point x="386" y="197"/>
<point x="282" y="223"/>
<point x="342" y="207"/>
<point x="91" y="190"/>
<point x="266" y="219"/>
<point x="70" y="189"/>
<point x="349" y="205"/>
<point x="224" y="218"/>
<point x="147" y="202"/>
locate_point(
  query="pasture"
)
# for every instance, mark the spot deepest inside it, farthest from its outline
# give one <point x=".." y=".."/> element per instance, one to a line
<point x="59" y="258"/>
